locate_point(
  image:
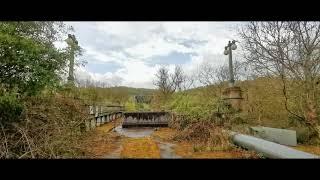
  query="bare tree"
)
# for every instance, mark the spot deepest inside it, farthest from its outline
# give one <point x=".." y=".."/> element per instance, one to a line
<point x="290" y="50"/>
<point x="163" y="81"/>
<point x="178" y="79"/>
<point x="189" y="82"/>
<point x="169" y="83"/>
<point x="209" y="74"/>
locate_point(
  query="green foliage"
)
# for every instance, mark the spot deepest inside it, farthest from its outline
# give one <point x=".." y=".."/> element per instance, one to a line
<point x="10" y="109"/>
<point x="132" y="91"/>
<point x="193" y="105"/>
<point x="112" y="95"/>
<point x="29" y="60"/>
<point x="263" y="102"/>
<point x="69" y="90"/>
<point x="130" y="105"/>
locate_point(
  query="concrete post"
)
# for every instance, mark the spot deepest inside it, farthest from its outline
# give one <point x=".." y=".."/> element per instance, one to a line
<point x="103" y="119"/>
<point x="91" y="111"/>
<point x="97" y="111"/>
<point x="99" y="121"/>
<point x="231" y="83"/>
<point x="233" y="96"/>
<point x="72" y="43"/>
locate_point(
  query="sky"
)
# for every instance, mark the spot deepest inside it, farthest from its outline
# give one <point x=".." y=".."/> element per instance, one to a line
<point x="129" y="53"/>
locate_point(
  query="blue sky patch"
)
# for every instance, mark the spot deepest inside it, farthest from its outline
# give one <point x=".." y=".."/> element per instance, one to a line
<point x="102" y="68"/>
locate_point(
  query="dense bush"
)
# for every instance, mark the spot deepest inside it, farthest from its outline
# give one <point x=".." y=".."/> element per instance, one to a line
<point x="10" y="109"/>
<point x="51" y="128"/>
<point x="29" y="60"/>
<point x="205" y="134"/>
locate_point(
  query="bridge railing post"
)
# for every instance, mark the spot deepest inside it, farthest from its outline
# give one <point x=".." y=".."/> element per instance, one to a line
<point x="99" y="120"/>
<point x="91" y="110"/>
<point x="96" y="111"/>
<point x="103" y="119"/>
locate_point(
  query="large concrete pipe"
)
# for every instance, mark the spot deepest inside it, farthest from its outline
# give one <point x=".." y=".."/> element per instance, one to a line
<point x="269" y="149"/>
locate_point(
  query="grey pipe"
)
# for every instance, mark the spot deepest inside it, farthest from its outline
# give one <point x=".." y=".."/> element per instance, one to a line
<point x="269" y="149"/>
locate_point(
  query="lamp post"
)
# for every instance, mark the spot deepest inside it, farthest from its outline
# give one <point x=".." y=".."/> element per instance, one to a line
<point x="232" y="93"/>
<point x="72" y="42"/>
<point x="228" y="51"/>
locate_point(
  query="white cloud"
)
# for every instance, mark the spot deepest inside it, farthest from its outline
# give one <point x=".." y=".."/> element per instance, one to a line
<point x="155" y="47"/>
<point x="131" y="45"/>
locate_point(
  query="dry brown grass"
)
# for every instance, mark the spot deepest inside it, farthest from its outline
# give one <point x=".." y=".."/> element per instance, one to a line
<point x="49" y="128"/>
<point x="105" y="128"/>
<point x="101" y="141"/>
<point x="205" y="135"/>
<point x="166" y="134"/>
<point x="309" y="149"/>
<point x="191" y="149"/>
<point x="100" y="146"/>
<point x="140" y="148"/>
<point x="186" y="150"/>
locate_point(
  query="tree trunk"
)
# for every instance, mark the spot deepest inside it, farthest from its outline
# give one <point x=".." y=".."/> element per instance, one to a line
<point x="311" y="116"/>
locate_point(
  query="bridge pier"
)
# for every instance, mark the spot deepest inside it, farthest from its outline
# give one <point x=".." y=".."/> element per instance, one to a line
<point x="99" y="121"/>
<point x="103" y="119"/>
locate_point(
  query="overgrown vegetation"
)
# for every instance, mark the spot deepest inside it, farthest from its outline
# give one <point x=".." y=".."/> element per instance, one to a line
<point x="35" y="121"/>
<point x="49" y="128"/>
<point x="205" y="135"/>
<point x="41" y="116"/>
<point x="279" y="82"/>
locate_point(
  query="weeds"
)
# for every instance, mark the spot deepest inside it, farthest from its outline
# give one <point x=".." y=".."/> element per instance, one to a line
<point x="48" y="128"/>
<point x="205" y="137"/>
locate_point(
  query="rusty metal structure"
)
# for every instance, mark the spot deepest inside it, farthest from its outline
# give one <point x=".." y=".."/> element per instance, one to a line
<point x="145" y="119"/>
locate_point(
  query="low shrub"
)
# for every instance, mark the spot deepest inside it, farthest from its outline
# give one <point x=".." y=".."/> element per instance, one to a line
<point x="206" y="136"/>
<point x="10" y="109"/>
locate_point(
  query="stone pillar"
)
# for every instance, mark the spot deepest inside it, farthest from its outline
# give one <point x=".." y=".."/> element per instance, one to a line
<point x="91" y="111"/>
<point x="233" y="96"/>
<point x="99" y="121"/>
<point x="97" y="111"/>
